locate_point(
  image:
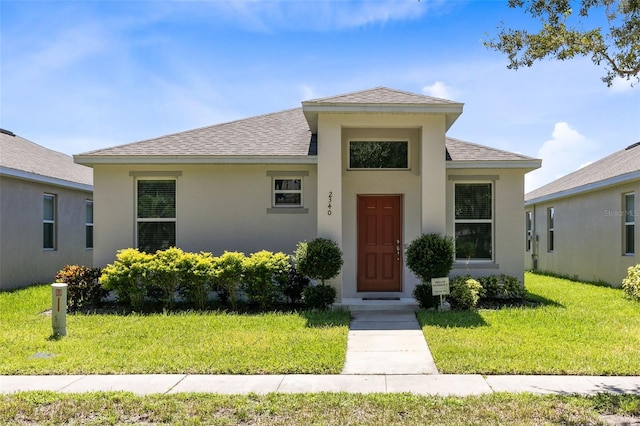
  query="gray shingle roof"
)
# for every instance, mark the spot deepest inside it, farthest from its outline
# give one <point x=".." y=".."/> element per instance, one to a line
<point x="458" y="150"/>
<point x="382" y="96"/>
<point x="19" y="157"/>
<point x="618" y="167"/>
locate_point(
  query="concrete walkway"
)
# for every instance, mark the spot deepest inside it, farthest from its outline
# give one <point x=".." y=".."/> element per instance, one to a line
<point x="387" y="342"/>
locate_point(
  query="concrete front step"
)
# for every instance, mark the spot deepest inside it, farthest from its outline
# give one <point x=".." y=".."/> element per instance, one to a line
<point x="377" y="304"/>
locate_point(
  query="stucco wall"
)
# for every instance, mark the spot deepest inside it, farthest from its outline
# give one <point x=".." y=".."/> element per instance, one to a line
<point x="508" y="220"/>
<point x="588" y="235"/>
<point x="23" y="261"/>
<point x="219" y="207"/>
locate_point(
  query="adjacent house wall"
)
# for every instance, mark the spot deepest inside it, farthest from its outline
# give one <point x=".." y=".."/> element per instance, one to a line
<point x="588" y="235"/>
<point x="23" y="261"/>
<point x="219" y="207"/>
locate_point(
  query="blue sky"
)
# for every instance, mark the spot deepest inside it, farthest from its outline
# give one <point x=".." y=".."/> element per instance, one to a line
<point x="82" y="75"/>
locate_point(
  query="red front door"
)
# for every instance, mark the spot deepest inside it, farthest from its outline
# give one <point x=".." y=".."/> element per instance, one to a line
<point x="379" y="243"/>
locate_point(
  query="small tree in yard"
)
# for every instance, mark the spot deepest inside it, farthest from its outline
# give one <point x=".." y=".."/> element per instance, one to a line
<point x="429" y="256"/>
<point x="320" y="259"/>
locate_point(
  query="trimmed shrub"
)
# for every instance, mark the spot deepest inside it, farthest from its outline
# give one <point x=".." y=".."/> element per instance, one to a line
<point x="465" y="293"/>
<point x="501" y="287"/>
<point x="264" y="273"/>
<point x="229" y="275"/>
<point x="167" y="269"/>
<point x="430" y="256"/>
<point x="197" y="277"/>
<point x="83" y="287"/>
<point x="422" y="294"/>
<point x="631" y="284"/>
<point x="128" y="276"/>
<point x="319" y="259"/>
<point x="294" y="285"/>
<point x="319" y="296"/>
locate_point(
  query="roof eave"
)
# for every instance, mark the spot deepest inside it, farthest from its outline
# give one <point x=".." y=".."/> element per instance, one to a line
<point x="90" y="160"/>
<point x="616" y="180"/>
<point x="311" y="110"/>
<point x="527" y="165"/>
<point x="48" y="180"/>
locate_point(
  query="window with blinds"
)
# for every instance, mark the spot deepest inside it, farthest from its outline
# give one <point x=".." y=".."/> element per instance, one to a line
<point x="473" y="221"/>
<point x="49" y="222"/>
<point x="156" y="214"/>
<point x="629" y="223"/>
<point x="88" y="224"/>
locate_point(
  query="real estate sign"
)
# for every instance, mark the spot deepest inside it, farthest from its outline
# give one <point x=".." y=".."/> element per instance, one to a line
<point x="440" y="286"/>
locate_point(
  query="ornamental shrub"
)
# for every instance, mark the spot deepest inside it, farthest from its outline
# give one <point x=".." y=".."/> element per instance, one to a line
<point x="501" y="287"/>
<point x="423" y="294"/>
<point x="229" y="275"/>
<point x="319" y="296"/>
<point x="295" y="284"/>
<point x="319" y="259"/>
<point x="264" y="274"/>
<point x="430" y="256"/>
<point x="631" y="284"/>
<point x="128" y="276"/>
<point x="465" y="292"/>
<point x="166" y="268"/>
<point x="197" y="277"/>
<point x="83" y="287"/>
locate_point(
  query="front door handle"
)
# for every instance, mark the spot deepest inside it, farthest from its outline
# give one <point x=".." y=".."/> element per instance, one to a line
<point x="398" y="250"/>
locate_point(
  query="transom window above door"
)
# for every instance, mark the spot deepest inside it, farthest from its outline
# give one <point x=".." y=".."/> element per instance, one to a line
<point x="366" y="155"/>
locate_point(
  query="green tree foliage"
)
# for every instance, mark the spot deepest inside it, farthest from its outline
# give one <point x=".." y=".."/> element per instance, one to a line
<point x="430" y="256"/>
<point x="566" y="32"/>
<point x="320" y="259"/>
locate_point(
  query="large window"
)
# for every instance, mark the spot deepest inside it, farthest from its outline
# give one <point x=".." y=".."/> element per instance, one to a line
<point x="89" y="224"/>
<point x="529" y="229"/>
<point x="287" y="192"/>
<point x="156" y="214"/>
<point x="629" y="223"/>
<point x="378" y="155"/>
<point x="551" y="228"/>
<point x="49" y="222"/>
<point x="474" y="221"/>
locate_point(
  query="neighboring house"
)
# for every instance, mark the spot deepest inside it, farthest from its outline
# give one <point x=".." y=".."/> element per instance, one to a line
<point x="45" y="214"/>
<point x="371" y="170"/>
<point x="584" y="224"/>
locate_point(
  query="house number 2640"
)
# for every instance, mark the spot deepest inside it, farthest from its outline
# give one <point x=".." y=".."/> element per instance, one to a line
<point x="329" y="205"/>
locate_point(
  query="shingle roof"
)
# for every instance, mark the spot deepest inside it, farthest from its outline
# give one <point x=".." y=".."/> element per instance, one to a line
<point x="458" y="150"/>
<point x="618" y="167"/>
<point x="380" y="95"/>
<point x="21" y="157"/>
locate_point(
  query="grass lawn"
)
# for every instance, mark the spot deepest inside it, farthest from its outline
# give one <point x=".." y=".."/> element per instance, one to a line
<point x="47" y="408"/>
<point x="578" y="329"/>
<point x="204" y="343"/>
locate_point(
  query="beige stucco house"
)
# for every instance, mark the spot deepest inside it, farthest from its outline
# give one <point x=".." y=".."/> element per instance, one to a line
<point x="583" y="225"/>
<point x="371" y="170"/>
<point x="46" y="206"/>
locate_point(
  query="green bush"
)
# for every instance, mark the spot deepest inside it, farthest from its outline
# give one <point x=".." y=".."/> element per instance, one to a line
<point x="319" y="259"/>
<point x="631" y="284"/>
<point x="430" y="256"/>
<point x="423" y="294"/>
<point x="319" y="296"/>
<point x="128" y="276"/>
<point x="83" y="287"/>
<point x="229" y="275"/>
<point x="197" y="277"/>
<point x="167" y="270"/>
<point x="295" y="284"/>
<point x="465" y="293"/>
<point x="501" y="287"/>
<point x="264" y="274"/>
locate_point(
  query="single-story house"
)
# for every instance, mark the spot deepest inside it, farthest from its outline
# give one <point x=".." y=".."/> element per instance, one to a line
<point x="371" y="170"/>
<point x="46" y="212"/>
<point x="583" y="224"/>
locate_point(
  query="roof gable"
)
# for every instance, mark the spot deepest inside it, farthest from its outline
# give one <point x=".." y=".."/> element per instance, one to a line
<point x="27" y="160"/>
<point x="381" y="96"/>
<point x="618" y="167"/>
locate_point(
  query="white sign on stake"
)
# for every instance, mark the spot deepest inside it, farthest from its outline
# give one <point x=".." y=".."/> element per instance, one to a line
<point x="440" y="286"/>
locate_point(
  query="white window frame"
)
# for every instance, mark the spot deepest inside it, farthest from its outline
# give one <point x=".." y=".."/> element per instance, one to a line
<point x="88" y="225"/>
<point x="551" y="229"/>
<point x="52" y="221"/>
<point x="490" y="221"/>
<point x="373" y="140"/>
<point x="529" y="230"/>
<point x="629" y="213"/>
<point x="155" y="219"/>
<point x="275" y="192"/>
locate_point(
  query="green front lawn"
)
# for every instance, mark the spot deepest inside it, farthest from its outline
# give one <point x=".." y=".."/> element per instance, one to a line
<point x="577" y="329"/>
<point x="188" y="342"/>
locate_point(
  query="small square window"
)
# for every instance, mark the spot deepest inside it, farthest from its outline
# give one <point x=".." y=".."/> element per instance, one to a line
<point x="287" y="192"/>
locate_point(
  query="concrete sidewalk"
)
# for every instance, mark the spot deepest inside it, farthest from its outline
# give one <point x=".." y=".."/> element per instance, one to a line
<point x="440" y="384"/>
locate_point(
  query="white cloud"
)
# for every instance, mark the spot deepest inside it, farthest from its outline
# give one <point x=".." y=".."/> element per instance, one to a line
<point x="565" y="152"/>
<point x="438" y="90"/>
